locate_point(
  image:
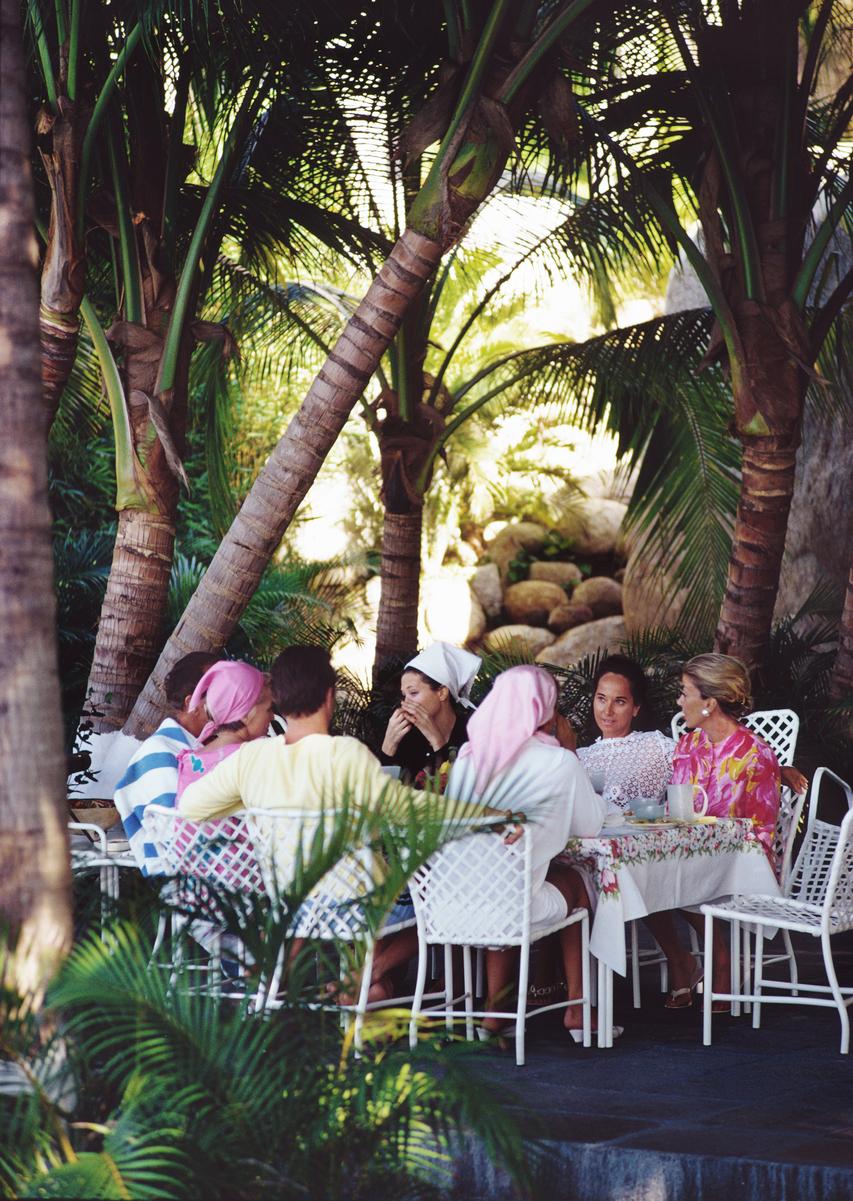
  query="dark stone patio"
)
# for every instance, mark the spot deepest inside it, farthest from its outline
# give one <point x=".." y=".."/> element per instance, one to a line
<point x="761" y="1115"/>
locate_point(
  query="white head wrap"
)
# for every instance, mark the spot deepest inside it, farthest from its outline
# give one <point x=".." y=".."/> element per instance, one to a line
<point x="448" y="665"/>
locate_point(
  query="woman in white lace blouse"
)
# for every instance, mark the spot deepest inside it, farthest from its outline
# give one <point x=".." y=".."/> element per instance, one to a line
<point x="624" y="763"/>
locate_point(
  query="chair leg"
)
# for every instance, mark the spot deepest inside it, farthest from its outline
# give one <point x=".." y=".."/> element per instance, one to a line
<point x="759" y="976"/>
<point x="736" y="962"/>
<point x="479" y="989"/>
<point x="469" y="994"/>
<point x="448" y="987"/>
<point x="361" y="1003"/>
<point x="420" y="984"/>
<point x="793" y="975"/>
<point x="635" y="965"/>
<point x="837" y="994"/>
<point x="708" y="995"/>
<point x="521" y="1007"/>
<point x="585" y="981"/>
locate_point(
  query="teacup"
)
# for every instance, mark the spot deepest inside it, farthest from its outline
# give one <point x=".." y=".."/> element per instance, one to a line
<point x="681" y="799"/>
<point x="647" y="807"/>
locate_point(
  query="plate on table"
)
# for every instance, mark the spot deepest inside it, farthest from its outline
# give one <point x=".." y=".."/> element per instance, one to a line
<point x="655" y="823"/>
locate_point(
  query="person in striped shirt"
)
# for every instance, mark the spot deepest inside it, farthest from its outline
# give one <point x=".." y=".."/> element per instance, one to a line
<point x="152" y="774"/>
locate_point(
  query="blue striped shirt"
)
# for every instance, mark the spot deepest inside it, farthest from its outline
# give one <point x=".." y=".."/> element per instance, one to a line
<point x="151" y="778"/>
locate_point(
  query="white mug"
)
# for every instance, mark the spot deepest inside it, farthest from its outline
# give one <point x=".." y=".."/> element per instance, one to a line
<point x="681" y="799"/>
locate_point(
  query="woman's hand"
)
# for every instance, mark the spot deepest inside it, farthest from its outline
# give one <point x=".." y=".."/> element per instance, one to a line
<point x="396" y="730"/>
<point x="794" y="779"/>
<point x="415" y="714"/>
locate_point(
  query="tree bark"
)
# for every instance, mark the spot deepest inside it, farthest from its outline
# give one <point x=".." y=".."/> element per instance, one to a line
<point x="841" y="684"/>
<point x="34" y="865"/>
<point x="282" y="484"/>
<point x="397" y="624"/>
<point x="758" y="543"/>
<point x="130" y="631"/>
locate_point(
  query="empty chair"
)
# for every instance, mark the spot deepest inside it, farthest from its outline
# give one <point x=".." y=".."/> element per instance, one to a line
<point x="819" y="902"/>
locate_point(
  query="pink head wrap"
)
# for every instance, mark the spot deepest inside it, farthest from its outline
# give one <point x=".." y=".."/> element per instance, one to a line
<point x="522" y="699"/>
<point x="229" y="689"/>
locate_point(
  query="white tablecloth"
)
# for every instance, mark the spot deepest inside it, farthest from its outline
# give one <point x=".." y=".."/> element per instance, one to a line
<point x="633" y="871"/>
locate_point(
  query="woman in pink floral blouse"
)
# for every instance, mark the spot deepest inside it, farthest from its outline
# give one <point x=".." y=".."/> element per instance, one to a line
<point x="741" y="776"/>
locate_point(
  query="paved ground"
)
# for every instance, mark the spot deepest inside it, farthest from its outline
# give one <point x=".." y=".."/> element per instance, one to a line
<point x="760" y="1116"/>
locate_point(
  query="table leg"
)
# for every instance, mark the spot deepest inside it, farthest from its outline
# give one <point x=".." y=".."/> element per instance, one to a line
<point x="605" y="1005"/>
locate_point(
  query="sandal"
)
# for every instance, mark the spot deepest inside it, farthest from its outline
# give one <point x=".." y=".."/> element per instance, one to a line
<point x="682" y="998"/>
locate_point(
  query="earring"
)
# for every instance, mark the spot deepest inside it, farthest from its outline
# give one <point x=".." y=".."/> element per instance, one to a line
<point x="706" y="712"/>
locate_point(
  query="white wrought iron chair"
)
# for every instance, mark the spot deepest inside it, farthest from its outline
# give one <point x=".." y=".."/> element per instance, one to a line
<point x="332" y="912"/>
<point x="458" y="904"/>
<point x="218" y="853"/>
<point x="96" y="855"/>
<point x="819" y="902"/>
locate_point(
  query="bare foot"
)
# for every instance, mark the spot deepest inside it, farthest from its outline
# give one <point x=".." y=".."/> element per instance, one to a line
<point x="573" y="1017"/>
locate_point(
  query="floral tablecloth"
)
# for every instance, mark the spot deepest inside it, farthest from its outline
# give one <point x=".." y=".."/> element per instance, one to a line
<point x="633" y="871"/>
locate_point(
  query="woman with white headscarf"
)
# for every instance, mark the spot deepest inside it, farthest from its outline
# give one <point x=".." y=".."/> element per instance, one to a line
<point x="431" y="721"/>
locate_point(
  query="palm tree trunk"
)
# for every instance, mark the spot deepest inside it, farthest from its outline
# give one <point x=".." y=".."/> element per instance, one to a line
<point x="397" y="624"/>
<point x="282" y="484"/>
<point x="767" y="485"/>
<point x="130" y="630"/>
<point x="841" y="684"/>
<point x="34" y="869"/>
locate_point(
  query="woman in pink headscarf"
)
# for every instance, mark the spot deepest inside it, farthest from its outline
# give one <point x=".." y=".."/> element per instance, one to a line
<point x="238" y="702"/>
<point x="513" y="760"/>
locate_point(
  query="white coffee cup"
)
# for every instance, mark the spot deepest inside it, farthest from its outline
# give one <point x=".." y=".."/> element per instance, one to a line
<point x="681" y="799"/>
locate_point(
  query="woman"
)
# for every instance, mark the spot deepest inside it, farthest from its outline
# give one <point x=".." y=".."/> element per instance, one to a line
<point x="426" y="728"/>
<point x="238" y="702"/>
<point x="624" y="763"/>
<point x="512" y="758"/>
<point x="742" y="778"/>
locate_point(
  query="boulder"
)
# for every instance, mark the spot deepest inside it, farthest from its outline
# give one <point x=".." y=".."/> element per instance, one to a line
<point x="486" y="586"/>
<point x="567" y="616"/>
<point x="451" y="611"/>
<point x="530" y="602"/>
<point x="518" y="639"/>
<point x="523" y="535"/>
<point x="592" y="525"/>
<point x="603" y="595"/>
<point x="606" y="634"/>
<point x="556" y="573"/>
<point x="648" y="595"/>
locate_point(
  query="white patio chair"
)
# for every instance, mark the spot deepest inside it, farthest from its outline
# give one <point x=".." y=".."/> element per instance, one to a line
<point x="475" y="892"/>
<point x="819" y="902"/>
<point x="217" y="852"/>
<point x="332" y="912"/>
<point x="95" y="855"/>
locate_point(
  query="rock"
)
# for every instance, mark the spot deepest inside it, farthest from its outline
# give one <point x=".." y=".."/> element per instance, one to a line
<point x="556" y="573"/>
<point x="593" y="526"/>
<point x="530" y="602"/>
<point x="606" y="635"/>
<point x="451" y="611"/>
<point x="648" y="598"/>
<point x="567" y="616"/>
<point x="523" y="535"/>
<point x="518" y="639"/>
<point x="603" y="595"/>
<point x="486" y="586"/>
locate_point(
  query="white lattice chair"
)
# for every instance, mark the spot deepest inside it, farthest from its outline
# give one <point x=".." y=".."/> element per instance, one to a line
<point x="476" y="892"/>
<point x="332" y="912"/>
<point x="819" y="902"/>
<point x="779" y="728"/>
<point x="217" y="853"/>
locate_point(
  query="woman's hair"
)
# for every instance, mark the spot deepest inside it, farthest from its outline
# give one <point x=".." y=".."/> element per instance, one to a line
<point x="185" y="675"/>
<point x="621" y="665"/>
<point x="433" y="684"/>
<point x="723" y="679"/>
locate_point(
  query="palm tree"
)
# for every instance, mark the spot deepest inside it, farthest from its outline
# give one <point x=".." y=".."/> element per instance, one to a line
<point x="501" y="57"/>
<point x="34" y="873"/>
<point x="718" y="116"/>
<point x="152" y="229"/>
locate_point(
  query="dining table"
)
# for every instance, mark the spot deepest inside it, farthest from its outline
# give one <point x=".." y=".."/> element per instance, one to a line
<point x="634" y="868"/>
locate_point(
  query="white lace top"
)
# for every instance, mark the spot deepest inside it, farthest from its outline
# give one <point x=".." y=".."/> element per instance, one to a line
<point x="640" y="764"/>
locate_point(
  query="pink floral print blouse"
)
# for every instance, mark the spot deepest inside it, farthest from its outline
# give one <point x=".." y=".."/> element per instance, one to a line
<point x="740" y="774"/>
